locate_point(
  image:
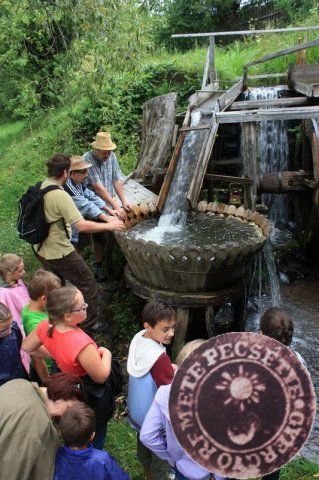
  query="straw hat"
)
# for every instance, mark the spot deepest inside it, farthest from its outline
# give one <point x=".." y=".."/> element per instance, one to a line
<point x="103" y="141"/>
<point x="77" y="163"/>
<point x="242" y="405"/>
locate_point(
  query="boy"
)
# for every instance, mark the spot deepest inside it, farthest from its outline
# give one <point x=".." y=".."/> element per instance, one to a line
<point x="39" y="286"/>
<point x="277" y="324"/>
<point x="78" y="459"/>
<point x="149" y="367"/>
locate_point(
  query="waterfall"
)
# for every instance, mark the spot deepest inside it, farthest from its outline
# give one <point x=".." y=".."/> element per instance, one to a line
<point x="268" y="255"/>
<point x="273" y="153"/>
<point x="176" y="208"/>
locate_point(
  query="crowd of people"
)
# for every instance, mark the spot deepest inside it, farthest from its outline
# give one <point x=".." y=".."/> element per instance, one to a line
<point x="50" y="366"/>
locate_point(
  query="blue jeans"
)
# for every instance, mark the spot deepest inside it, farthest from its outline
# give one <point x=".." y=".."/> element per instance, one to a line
<point x="100" y="437"/>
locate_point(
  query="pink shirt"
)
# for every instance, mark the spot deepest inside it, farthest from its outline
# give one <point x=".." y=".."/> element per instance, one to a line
<point x="65" y="347"/>
<point x="15" y="297"/>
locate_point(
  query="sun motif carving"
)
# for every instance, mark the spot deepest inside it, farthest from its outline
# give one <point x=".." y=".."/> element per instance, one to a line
<point x="243" y="388"/>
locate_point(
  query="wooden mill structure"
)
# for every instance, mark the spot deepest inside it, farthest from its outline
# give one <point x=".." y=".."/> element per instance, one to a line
<point x="223" y="111"/>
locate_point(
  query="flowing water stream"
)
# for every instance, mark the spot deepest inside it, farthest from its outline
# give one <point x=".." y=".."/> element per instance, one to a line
<point x="273" y="154"/>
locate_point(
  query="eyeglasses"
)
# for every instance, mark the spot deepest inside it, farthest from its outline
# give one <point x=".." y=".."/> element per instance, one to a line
<point x="81" y="309"/>
<point x="83" y="171"/>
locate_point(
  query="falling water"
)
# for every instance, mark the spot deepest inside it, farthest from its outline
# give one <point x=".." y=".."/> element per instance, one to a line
<point x="268" y="255"/>
<point x="175" y="210"/>
<point x="273" y="151"/>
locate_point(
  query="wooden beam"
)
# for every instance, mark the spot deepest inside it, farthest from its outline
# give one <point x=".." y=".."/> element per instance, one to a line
<point x="305" y="88"/>
<point x="297" y="113"/>
<point x="205" y="73"/>
<point x="287" y="51"/>
<point x="303" y="73"/>
<point x="278" y="102"/>
<point x="246" y="32"/>
<point x="250" y="153"/>
<point x="211" y="69"/>
<point x="230" y="95"/>
<point x="195" y="127"/>
<point x="213" y="177"/>
<point x="172" y="165"/>
<point x="267" y="75"/>
<point x="226" y="161"/>
<point x="201" y="166"/>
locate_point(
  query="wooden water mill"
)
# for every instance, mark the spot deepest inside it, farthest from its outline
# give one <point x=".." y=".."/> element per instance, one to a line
<point x="198" y="280"/>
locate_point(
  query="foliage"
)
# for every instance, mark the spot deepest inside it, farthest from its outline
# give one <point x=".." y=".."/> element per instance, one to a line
<point x="51" y="46"/>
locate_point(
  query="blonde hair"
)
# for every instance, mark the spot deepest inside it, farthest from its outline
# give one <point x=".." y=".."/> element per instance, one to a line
<point x="5" y="313"/>
<point x="41" y="283"/>
<point x="59" y="302"/>
<point x="9" y="263"/>
<point x="188" y="349"/>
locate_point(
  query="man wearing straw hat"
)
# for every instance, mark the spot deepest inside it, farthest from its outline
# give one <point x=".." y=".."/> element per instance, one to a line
<point x="105" y="178"/>
<point x="90" y="205"/>
<point x="57" y="253"/>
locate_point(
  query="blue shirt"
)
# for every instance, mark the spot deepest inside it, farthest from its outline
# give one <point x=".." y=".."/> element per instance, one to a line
<point x="86" y="464"/>
<point x="105" y="173"/>
<point x="11" y="366"/>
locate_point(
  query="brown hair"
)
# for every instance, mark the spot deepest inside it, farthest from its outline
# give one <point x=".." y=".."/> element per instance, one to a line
<point x="41" y="283"/>
<point x="277" y="324"/>
<point x="188" y="349"/>
<point x="5" y="313"/>
<point x="77" y="425"/>
<point x="154" y="312"/>
<point x="65" y="386"/>
<point x="9" y="263"/>
<point x="57" y="164"/>
<point x="60" y="301"/>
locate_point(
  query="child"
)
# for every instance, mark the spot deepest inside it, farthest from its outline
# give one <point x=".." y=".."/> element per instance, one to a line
<point x="75" y="352"/>
<point x="39" y="286"/>
<point x="277" y="324"/>
<point x="14" y="293"/>
<point x="149" y="367"/>
<point x="157" y="433"/>
<point x="78" y="459"/>
<point x="11" y="366"/>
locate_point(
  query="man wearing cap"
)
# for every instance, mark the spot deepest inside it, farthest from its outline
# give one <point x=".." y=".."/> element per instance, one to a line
<point x="105" y="178"/>
<point x="90" y="205"/>
<point x="56" y="252"/>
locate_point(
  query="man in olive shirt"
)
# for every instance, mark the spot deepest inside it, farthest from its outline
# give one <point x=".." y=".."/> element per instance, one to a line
<point x="56" y="252"/>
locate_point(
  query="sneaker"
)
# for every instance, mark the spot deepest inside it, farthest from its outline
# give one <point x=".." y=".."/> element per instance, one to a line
<point x="97" y="327"/>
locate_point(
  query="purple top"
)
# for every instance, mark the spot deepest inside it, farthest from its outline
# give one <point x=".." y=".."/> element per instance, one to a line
<point x="157" y="435"/>
<point x="15" y="297"/>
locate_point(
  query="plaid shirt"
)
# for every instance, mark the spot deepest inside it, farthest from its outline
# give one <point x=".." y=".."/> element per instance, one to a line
<point x="105" y="173"/>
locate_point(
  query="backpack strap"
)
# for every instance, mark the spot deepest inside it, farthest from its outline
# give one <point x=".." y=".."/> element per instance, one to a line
<point x="45" y="190"/>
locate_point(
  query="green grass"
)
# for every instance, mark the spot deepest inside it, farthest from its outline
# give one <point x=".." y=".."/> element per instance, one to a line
<point x="121" y="443"/>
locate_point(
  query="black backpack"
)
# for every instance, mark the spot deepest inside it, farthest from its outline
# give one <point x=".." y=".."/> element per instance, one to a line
<point x="32" y="226"/>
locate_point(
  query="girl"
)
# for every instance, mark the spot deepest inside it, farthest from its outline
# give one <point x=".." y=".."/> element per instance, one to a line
<point x="75" y="352"/>
<point x="11" y="366"/>
<point x="157" y="432"/>
<point x="14" y="293"/>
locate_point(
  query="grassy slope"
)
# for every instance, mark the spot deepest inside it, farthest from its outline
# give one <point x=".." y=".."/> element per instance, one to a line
<point x="24" y="146"/>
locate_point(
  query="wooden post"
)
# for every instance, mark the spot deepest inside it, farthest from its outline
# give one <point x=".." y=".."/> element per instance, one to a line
<point x="182" y="318"/>
<point x="205" y="73"/>
<point x="209" y="321"/>
<point x="211" y="69"/>
<point x="250" y="156"/>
